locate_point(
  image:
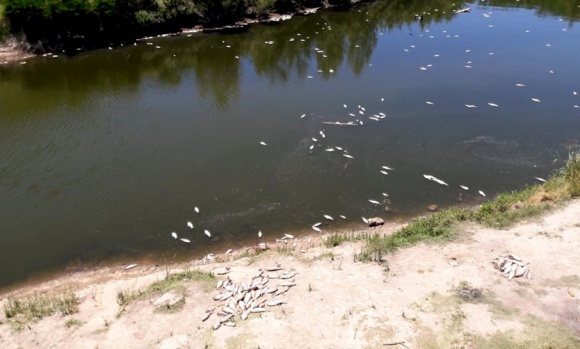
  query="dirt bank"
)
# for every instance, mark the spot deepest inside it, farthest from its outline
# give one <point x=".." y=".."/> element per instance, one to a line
<point x="427" y="296"/>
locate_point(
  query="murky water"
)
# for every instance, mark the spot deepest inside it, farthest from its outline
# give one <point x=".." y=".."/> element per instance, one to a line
<point x="103" y="154"/>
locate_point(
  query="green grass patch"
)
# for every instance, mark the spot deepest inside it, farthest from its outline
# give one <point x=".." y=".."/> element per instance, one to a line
<point x="171" y="282"/>
<point x="72" y="322"/>
<point x="20" y="312"/>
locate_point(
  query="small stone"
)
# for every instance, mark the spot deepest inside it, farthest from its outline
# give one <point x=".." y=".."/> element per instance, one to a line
<point x="432" y="208"/>
<point x="376" y="221"/>
<point x="168" y="299"/>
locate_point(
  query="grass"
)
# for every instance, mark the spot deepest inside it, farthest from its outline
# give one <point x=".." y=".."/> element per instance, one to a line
<point x="171" y="282"/>
<point x="32" y="309"/>
<point x="72" y="322"/>
<point x="500" y="212"/>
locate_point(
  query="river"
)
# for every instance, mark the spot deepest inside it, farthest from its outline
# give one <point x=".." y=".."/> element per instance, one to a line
<point x="104" y="154"/>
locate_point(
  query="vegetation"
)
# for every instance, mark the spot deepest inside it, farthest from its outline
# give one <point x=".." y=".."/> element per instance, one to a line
<point x="22" y="312"/>
<point x="171" y="282"/>
<point x="504" y="210"/>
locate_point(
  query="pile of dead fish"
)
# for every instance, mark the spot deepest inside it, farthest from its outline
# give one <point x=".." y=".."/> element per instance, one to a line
<point x="243" y="299"/>
<point x="513" y="266"/>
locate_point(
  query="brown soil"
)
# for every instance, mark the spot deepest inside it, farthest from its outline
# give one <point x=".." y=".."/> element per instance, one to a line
<point x="411" y="298"/>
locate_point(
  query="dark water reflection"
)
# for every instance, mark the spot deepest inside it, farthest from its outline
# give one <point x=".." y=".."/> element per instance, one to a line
<point x="103" y="154"/>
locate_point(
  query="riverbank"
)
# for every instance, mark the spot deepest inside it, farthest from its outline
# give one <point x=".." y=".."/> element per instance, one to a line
<point x="415" y="296"/>
<point x="57" y="34"/>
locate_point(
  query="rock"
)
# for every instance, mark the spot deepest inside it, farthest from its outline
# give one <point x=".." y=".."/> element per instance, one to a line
<point x="376" y="221"/>
<point x="175" y="342"/>
<point x="432" y="208"/>
<point x="244" y="261"/>
<point x="168" y="299"/>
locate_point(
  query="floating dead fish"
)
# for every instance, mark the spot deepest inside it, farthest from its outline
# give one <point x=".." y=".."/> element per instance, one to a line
<point x="493" y="104"/>
<point x="131" y="266"/>
<point x="311" y="147"/>
<point x="385" y="173"/>
<point x="535" y="100"/>
<point x="196" y="210"/>
<point x="540" y="179"/>
<point x="317" y="224"/>
<point x="430" y="103"/>
<point x="207" y="233"/>
<point x="187" y="241"/>
<point x="374" y="202"/>
<point x="190" y="225"/>
<point x="365" y="220"/>
<point x="387" y="168"/>
<point x="329" y="149"/>
<point x="288" y="236"/>
<point x="328" y="217"/>
<point x="520" y="85"/>
<point x="463" y="187"/>
<point x="481" y="193"/>
<point x="348" y="156"/>
<point x="470" y="106"/>
<point x="263" y="143"/>
<point x="437" y="180"/>
<point x="343" y="217"/>
<point x="302" y="116"/>
<point x="322" y="134"/>
<point x="316" y="229"/>
<point x="314" y="139"/>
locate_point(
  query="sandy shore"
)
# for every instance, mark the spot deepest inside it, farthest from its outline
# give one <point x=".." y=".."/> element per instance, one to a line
<point x="410" y="300"/>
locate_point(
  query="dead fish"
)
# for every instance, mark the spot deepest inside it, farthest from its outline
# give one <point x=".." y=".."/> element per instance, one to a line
<point x="263" y="143"/>
<point x="302" y="116"/>
<point x="217" y="325"/>
<point x="288" y="284"/>
<point x="229" y="324"/>
<point x="387" y="168"/>
<point x="229" y="310"/>
<point x="196" y="209"/>
<point x="492" y="104"/>
<point x="540" y="179"/>
<point x="219" y="284"/>
<point x="265" y="280"/>
<point x="288" y="236"/>
<point x="515" y="257"/>
<point x="348" y="156"/>
<point x="226" y="318"/>
<point x="131" y="266"/>
<point x="206" y="316"/>
<point x="316" y="229"/>
<point x="274" y="269"/>
<point x="260" y="273"/>
<point x="435" y="179"/>
<point x="343" y="217"/>
<point x="322" y="134"/>
<point x="521" y="271"/>
<point x="245" y="315"/>
<point x="317" y="224"/>
<point x="535" y="100"/>
<point x="374" y="202"/>
<point x="385" y="173"/>
<point x="185" y="240"/>
<point x="174" y="235"/>
<point x="279" y="292"/>
<point x="463" y="187"/>
<point x="507" y="267"/>
<point x="481" y="193"/>
<point x="520" y="85"/>
<point x="258" y="310"/>
<point x="365" y="220"/>
<point x="328" y="217"/>
<point x="229" y="251"/>
<point x="275" y="303"/>
<point x="512" y="273"/>
<point x="329" y="149"/>
<point x="287" y="275"/>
